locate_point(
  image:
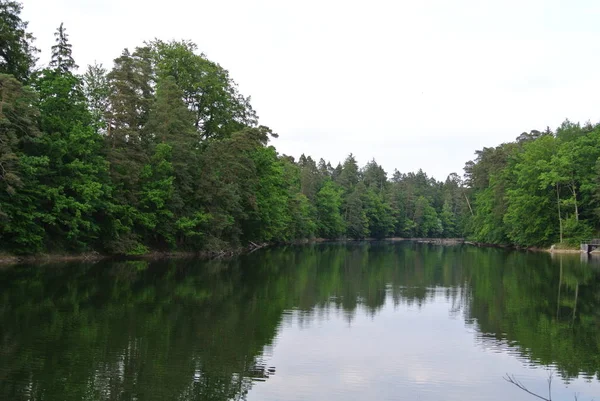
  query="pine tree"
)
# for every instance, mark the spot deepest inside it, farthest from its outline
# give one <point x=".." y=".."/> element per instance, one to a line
<point x="71" y="189"/>
<point x="169" y="120"/>
<point x="130" y="97"/>
<point x="129" y="100"/>
<point x="171" y="123"/>
<point x="357" y="222"/>
<point x="62" y="59"/>
<point x="310" y="179"/>
<point x="348" y="176"/>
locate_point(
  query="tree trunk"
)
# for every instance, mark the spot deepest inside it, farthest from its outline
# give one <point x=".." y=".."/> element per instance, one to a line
<point x="575" y="200"/>
<point x="468" y="203"/>
<point x="559" y="216"/>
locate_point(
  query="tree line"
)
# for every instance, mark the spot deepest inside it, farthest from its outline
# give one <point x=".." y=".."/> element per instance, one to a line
<point x="162" y="152"/>
<point x="541" y="189"/>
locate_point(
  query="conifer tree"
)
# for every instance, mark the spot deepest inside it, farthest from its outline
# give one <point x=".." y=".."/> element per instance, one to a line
<point x="348" y="173"/>
<point x="130" y="97"/>
<point x="171" y="123"/>
<point x="72" y="189"/>
<point x="357" y="222"/>
<point x="129" y="100"/>
<point x="62" y="59"/>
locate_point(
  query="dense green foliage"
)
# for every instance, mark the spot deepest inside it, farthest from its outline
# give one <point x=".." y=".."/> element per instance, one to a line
<point x="198" y="330"/>
<point x="163" y="152"/>
<point x="541" y="189"/>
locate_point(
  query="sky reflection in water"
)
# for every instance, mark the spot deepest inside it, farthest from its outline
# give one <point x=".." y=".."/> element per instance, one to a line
<point x="354" y="321"/>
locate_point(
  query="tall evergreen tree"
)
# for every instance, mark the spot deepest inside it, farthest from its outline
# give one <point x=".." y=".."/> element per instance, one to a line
<point x="324" y="170"/>
<point x="357" y="222"/>
<point x="349" y="174"/>
<point x="72" y="189"/>
<point x="374" y="176"/>
<point x="310" y="178"/>
<point x="130" y="98"/>
<point x="171" y="122"/>
<point x="62" y="58"/>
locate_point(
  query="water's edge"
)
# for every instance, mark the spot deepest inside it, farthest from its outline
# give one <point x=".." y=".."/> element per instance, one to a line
<point x="9" y="259"/>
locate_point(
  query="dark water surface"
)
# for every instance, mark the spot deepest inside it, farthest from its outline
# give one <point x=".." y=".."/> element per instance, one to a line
<point x="360" y="321"/>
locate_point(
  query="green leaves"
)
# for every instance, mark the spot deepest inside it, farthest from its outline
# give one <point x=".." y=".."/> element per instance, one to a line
<point x="96" y="90"/>
<point x="540" y="191"/>
<point x="17" y="52"/>
<point x="219" y="109"/>
<point x="163" y="152"/>
<point x="18" y="128"/>
<point x="328" y="204"/>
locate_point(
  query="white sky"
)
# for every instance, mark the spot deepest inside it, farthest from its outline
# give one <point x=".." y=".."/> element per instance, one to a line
<point x="414" y="84"/>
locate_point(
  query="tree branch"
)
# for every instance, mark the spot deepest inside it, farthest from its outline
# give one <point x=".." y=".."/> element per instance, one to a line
<point x="513" y="380"/>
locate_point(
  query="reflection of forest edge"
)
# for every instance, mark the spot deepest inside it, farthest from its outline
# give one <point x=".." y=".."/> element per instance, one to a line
<point x="198" y="329"/>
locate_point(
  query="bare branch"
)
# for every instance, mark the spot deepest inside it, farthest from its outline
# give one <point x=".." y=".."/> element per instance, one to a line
<point x="513" y="380"/>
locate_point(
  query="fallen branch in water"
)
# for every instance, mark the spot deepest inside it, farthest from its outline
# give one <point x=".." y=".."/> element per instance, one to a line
<point x="255" y="247"/>
<point x="513" y="380"/>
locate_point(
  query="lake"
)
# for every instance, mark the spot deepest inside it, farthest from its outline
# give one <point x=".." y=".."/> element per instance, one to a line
<point x="335" y="321"/>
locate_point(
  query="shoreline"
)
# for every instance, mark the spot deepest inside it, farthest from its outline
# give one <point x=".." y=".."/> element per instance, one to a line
<point x="93" y="257"/>
<point x="550" y="250"/>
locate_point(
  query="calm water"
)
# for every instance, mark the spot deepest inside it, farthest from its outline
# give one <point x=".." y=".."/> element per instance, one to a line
<point x="378" y="321"/>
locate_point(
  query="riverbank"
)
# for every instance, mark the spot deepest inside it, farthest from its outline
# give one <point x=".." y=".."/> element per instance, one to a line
<point x="7" y="259"/>
<point x="553" y="249"/>
<point x="92" y="257"/>
<point x="566" y="251"/>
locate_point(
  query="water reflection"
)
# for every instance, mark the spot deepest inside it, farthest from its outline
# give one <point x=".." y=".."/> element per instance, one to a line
<point x="211" y="330"/>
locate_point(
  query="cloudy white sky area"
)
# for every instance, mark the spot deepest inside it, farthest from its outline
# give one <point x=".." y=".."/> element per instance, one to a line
<point x="413" y="84"/>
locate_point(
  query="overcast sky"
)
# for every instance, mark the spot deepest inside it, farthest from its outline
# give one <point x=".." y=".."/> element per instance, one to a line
<point x="413" y="84"/>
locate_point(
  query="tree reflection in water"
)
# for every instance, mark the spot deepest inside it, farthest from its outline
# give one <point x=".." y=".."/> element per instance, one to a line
<point x="193" y="330"/>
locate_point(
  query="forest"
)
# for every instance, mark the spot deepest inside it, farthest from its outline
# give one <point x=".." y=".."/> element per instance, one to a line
<point x="162" y="152"/>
